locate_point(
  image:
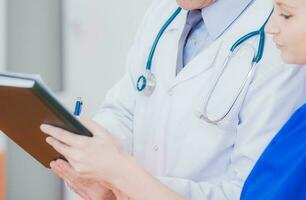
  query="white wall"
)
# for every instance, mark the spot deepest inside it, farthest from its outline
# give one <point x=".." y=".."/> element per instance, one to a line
<point x="98" y="34"/>
<point x="2" y="53"/>
<point x="34" y="39"/>
<point x="2" y="34"/>
<point x="32" y="46"/>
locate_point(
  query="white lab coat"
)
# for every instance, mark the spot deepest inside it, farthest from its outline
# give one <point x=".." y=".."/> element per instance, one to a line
<point x="165" y="132"/>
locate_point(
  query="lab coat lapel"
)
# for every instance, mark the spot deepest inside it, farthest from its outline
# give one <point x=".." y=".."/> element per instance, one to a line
<point x="166" y="53"/>
<point x="171" y="37"/>
<point x="200" y="63"/>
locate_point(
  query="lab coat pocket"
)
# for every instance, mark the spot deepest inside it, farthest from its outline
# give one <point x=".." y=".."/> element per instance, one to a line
<point x="201" y="149"/>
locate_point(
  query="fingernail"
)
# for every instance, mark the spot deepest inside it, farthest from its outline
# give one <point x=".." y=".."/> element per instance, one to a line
<point x="48" y="140"/>
<point x="43" y="127"/>
<point x="52" y="164"/>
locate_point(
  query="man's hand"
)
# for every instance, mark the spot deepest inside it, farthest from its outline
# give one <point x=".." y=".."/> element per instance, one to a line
<point x="88" y="173"/>
<point x="96" y="158"/>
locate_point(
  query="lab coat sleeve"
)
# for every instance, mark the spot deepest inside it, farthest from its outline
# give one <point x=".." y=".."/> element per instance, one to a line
<point x="270" y="102"/>
<point x="116" y="113"/>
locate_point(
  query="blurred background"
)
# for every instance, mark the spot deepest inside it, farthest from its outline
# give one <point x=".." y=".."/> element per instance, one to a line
<point x="79" y="48"/>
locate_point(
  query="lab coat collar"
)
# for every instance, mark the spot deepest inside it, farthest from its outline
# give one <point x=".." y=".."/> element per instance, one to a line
<point x="219" y="16"/>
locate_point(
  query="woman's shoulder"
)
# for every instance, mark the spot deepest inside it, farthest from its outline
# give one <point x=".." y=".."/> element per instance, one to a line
<point x="301" y="110"/>
<point x="293" y="130"/>
<point x="281" y="164"/>
<point x="297" y="122"/>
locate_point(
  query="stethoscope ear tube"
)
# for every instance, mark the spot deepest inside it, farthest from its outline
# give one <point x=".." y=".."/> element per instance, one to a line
<point x="159" y="35"/>
<point x="243" y="39"/>
<point x="261" y="47"/>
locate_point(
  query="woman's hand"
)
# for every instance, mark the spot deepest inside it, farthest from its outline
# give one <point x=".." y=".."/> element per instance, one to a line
<point x="98" y="157"/>
<point x="88" y="189"/>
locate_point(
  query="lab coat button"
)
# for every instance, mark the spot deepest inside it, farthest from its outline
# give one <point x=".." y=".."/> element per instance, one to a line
<point x="201" y="116"/>
<point x="155" y="148"/>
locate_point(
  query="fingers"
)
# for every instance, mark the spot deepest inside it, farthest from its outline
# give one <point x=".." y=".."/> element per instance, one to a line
<point x="61" y="148"/>
<point x="64" y="170"/>
<point x="119" y="195"/>
<point x="58" y="170"/>
<point x="62" y="135"/>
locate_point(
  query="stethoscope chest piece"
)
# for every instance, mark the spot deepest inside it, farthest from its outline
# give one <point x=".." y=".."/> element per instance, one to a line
<point x="146" y="83"/>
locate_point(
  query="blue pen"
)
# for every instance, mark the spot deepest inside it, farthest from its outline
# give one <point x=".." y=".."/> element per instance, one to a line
<point x="78" y="106"/>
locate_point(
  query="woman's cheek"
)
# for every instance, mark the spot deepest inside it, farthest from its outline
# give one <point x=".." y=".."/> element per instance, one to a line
<point x="287" y="39"/>
<point x="303" y="44"/>
<point x="297" y="47"/>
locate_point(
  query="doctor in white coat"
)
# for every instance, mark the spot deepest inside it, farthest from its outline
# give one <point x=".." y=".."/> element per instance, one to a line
<point x="167" y="133"/>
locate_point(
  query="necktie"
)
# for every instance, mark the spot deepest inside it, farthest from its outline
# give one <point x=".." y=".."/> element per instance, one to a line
<point x="194" y="17"/>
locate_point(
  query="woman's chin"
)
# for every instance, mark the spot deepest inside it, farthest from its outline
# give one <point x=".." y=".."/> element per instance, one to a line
<point x="293" y="59"/>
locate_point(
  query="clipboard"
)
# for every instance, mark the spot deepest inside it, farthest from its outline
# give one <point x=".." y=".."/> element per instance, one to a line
<point x="25" y="104"/>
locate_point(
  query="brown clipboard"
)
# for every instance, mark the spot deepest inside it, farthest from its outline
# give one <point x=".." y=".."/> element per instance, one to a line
<point x="23" y="110"/>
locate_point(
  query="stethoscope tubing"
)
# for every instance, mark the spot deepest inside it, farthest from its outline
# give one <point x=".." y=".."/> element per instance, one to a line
<point x="159" y="35"/>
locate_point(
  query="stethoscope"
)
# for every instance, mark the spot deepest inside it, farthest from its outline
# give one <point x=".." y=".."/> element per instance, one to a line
<point x="146" y="83"/>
